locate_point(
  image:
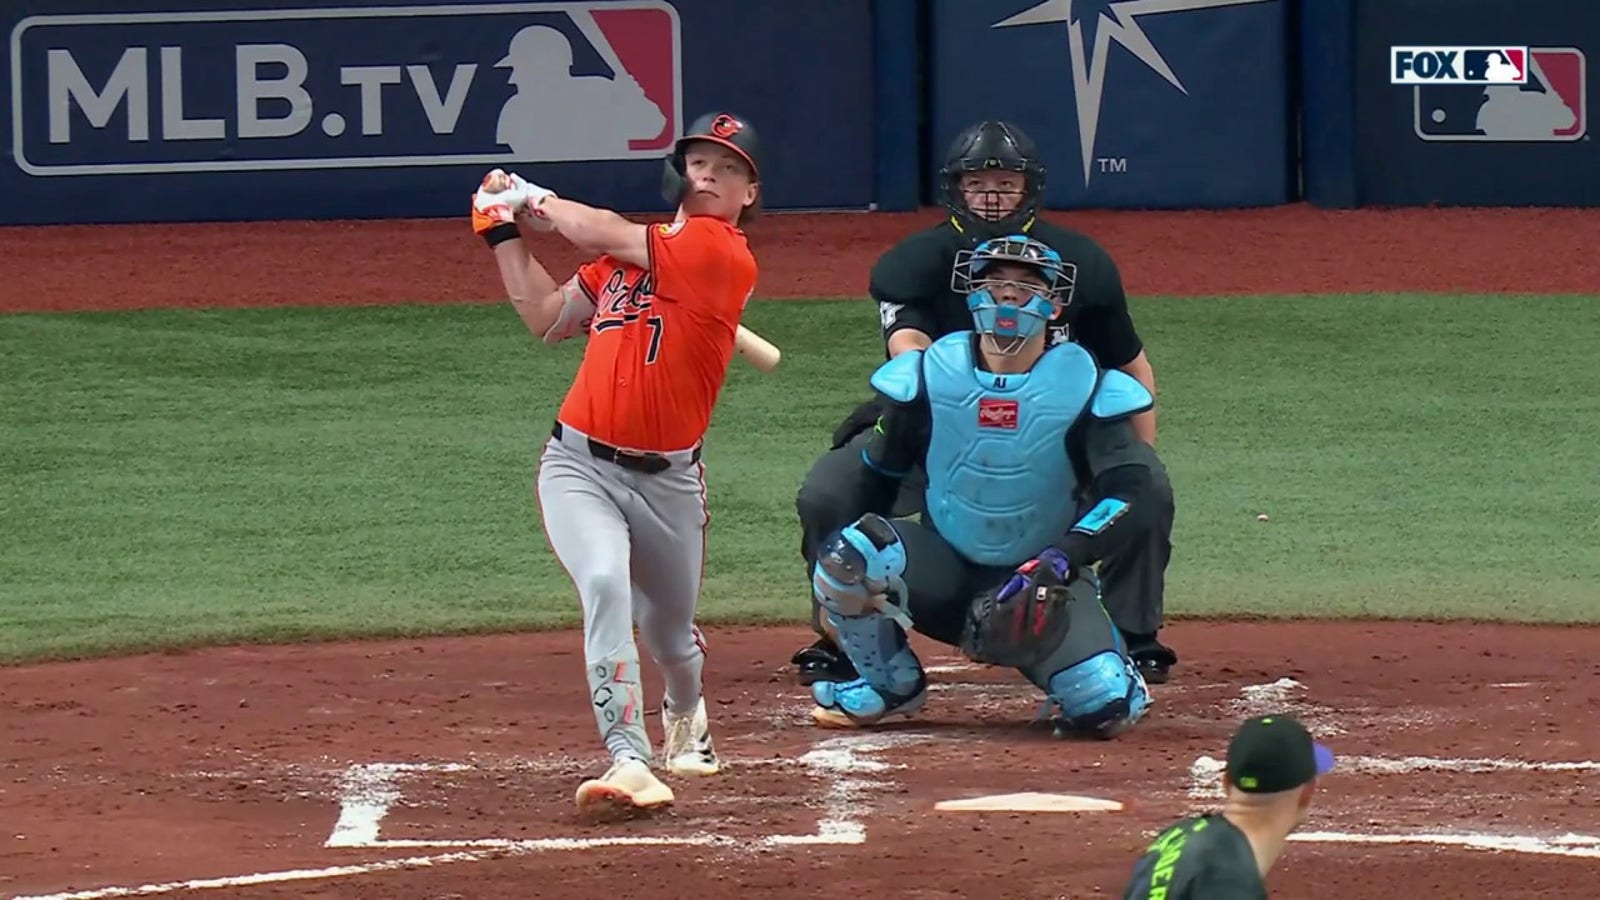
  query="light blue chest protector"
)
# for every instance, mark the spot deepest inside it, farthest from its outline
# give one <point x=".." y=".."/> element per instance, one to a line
<point x="1000" y="488"/>
<point x="1000" y="485"/>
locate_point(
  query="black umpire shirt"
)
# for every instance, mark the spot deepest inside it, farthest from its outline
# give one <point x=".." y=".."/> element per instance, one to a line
<point x="1199" y="858"/>
<point x="911" y="283"/>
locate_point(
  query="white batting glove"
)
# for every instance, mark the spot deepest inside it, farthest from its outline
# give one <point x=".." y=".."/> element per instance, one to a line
<point x="496" y="202"/>
<point x="535" y="195"/>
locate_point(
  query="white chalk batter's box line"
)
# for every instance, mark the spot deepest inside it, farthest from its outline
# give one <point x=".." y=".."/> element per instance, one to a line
<point x="367" y="791"/>
<point x="1205" y="780"/>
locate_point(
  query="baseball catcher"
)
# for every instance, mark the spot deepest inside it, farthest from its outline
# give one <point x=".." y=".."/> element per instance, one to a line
<point x="992" y="184"/>
<point x="1009" y="432"/>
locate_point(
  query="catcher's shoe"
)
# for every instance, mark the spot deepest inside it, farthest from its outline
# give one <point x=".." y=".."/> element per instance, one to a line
<point x="626" y="790"/>
<point x="856" y="704"/>
<point x="689" y="749"/>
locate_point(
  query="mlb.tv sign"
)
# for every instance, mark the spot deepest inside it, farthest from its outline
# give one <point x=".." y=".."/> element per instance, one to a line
<point x="345" y="87"/>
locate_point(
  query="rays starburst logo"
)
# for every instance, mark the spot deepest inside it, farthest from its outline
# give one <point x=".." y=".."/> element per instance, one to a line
<point x="1092" y="26"/>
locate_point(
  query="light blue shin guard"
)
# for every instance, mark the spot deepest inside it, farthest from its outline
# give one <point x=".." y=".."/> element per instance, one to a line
<point x="1089" y="681"/>
<point x="858" y="580"/>
<point x="1102" y="696"/>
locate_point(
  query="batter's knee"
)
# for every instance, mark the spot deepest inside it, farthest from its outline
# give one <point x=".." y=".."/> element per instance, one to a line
<point x="607" y="599"/>
<point x="672" y="639"/>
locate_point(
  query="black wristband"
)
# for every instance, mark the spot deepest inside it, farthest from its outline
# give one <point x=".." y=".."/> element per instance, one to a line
<point x="501" y="233"/>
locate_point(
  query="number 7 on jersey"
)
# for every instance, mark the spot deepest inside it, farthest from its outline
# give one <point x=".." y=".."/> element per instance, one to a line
<point x="655" y="324"/>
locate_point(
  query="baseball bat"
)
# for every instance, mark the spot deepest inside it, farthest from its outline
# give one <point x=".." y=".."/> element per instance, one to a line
<point x="757" y="350"/>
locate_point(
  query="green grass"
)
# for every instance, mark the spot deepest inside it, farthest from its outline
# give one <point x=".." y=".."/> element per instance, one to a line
<point x="174" y="478"/>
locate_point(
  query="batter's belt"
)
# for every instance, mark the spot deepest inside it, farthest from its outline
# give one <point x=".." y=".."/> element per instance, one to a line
<point x="645" y="461"/>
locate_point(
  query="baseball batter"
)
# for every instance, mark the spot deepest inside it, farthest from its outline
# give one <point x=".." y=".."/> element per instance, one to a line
<point x="621" y="486"/>
<point x="1272" y="769"/>
<point x="1008" y="430"/>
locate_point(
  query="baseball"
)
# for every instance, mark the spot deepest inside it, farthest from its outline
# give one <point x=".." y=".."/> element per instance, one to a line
<point x="1261" y="518"/>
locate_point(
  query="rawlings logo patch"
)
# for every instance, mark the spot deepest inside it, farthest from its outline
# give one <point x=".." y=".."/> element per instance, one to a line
<point x="997" y="414"/>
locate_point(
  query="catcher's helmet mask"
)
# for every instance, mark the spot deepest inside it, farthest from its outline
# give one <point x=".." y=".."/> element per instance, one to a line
<point x="992" y="146"/>
<point x="1005" y="324"/>
<point x="725" y="129"/>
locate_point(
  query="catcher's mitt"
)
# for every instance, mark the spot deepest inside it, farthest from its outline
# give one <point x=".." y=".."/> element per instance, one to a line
<point x="1019" y="623"/>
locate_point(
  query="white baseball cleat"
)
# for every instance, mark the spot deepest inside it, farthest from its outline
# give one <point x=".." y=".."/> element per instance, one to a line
<point x="627" y="789"/>
<point x="689" y="750"/>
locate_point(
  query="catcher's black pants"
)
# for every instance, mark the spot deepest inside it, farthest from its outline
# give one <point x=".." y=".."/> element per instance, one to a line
<point x="1133" y="582"/>
<point x="941" y="584"/>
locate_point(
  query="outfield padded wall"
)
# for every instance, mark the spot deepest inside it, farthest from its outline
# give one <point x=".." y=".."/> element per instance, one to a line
<point x="184" y="110"/>
<point x="196" y="110"/>
<point x="1373" y="143"/>
<point x="1201" y="116"/>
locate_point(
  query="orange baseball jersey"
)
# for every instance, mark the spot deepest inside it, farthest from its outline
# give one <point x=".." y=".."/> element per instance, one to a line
<point x="660" y="340"/>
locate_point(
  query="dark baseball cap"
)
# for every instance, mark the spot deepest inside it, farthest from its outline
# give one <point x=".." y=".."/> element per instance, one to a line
<point x="1275" y="753"/>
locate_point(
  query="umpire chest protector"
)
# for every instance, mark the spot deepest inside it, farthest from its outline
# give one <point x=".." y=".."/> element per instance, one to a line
<point x="1000" y="483"/>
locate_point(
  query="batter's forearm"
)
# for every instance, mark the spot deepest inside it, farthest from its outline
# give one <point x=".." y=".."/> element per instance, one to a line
<point x="597" y="230"/>
<point x="529" y="286"/>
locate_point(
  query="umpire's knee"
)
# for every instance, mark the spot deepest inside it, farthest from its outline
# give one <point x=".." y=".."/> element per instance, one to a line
<point x="821" y="500"/>
<point x="1161" y="496"/>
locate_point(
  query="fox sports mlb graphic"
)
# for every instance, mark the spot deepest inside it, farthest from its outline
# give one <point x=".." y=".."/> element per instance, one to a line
<point x="345" y="87"/>
<point x="1494" y="94"/>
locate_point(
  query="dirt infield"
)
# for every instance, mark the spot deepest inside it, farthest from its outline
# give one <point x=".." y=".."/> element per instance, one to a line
<point x="444" y="768"/>
<point x="228" y="763"/>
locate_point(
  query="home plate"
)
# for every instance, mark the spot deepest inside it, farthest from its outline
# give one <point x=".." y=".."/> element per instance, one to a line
<point x="1029" y="801"/>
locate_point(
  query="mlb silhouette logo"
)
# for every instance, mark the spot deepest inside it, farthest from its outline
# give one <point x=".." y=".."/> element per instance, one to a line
<point x="1509" y="66"/>
<point x="615" y="68"/>
<point x="1478" y="65"/>
<point x="1550" y="104"/>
